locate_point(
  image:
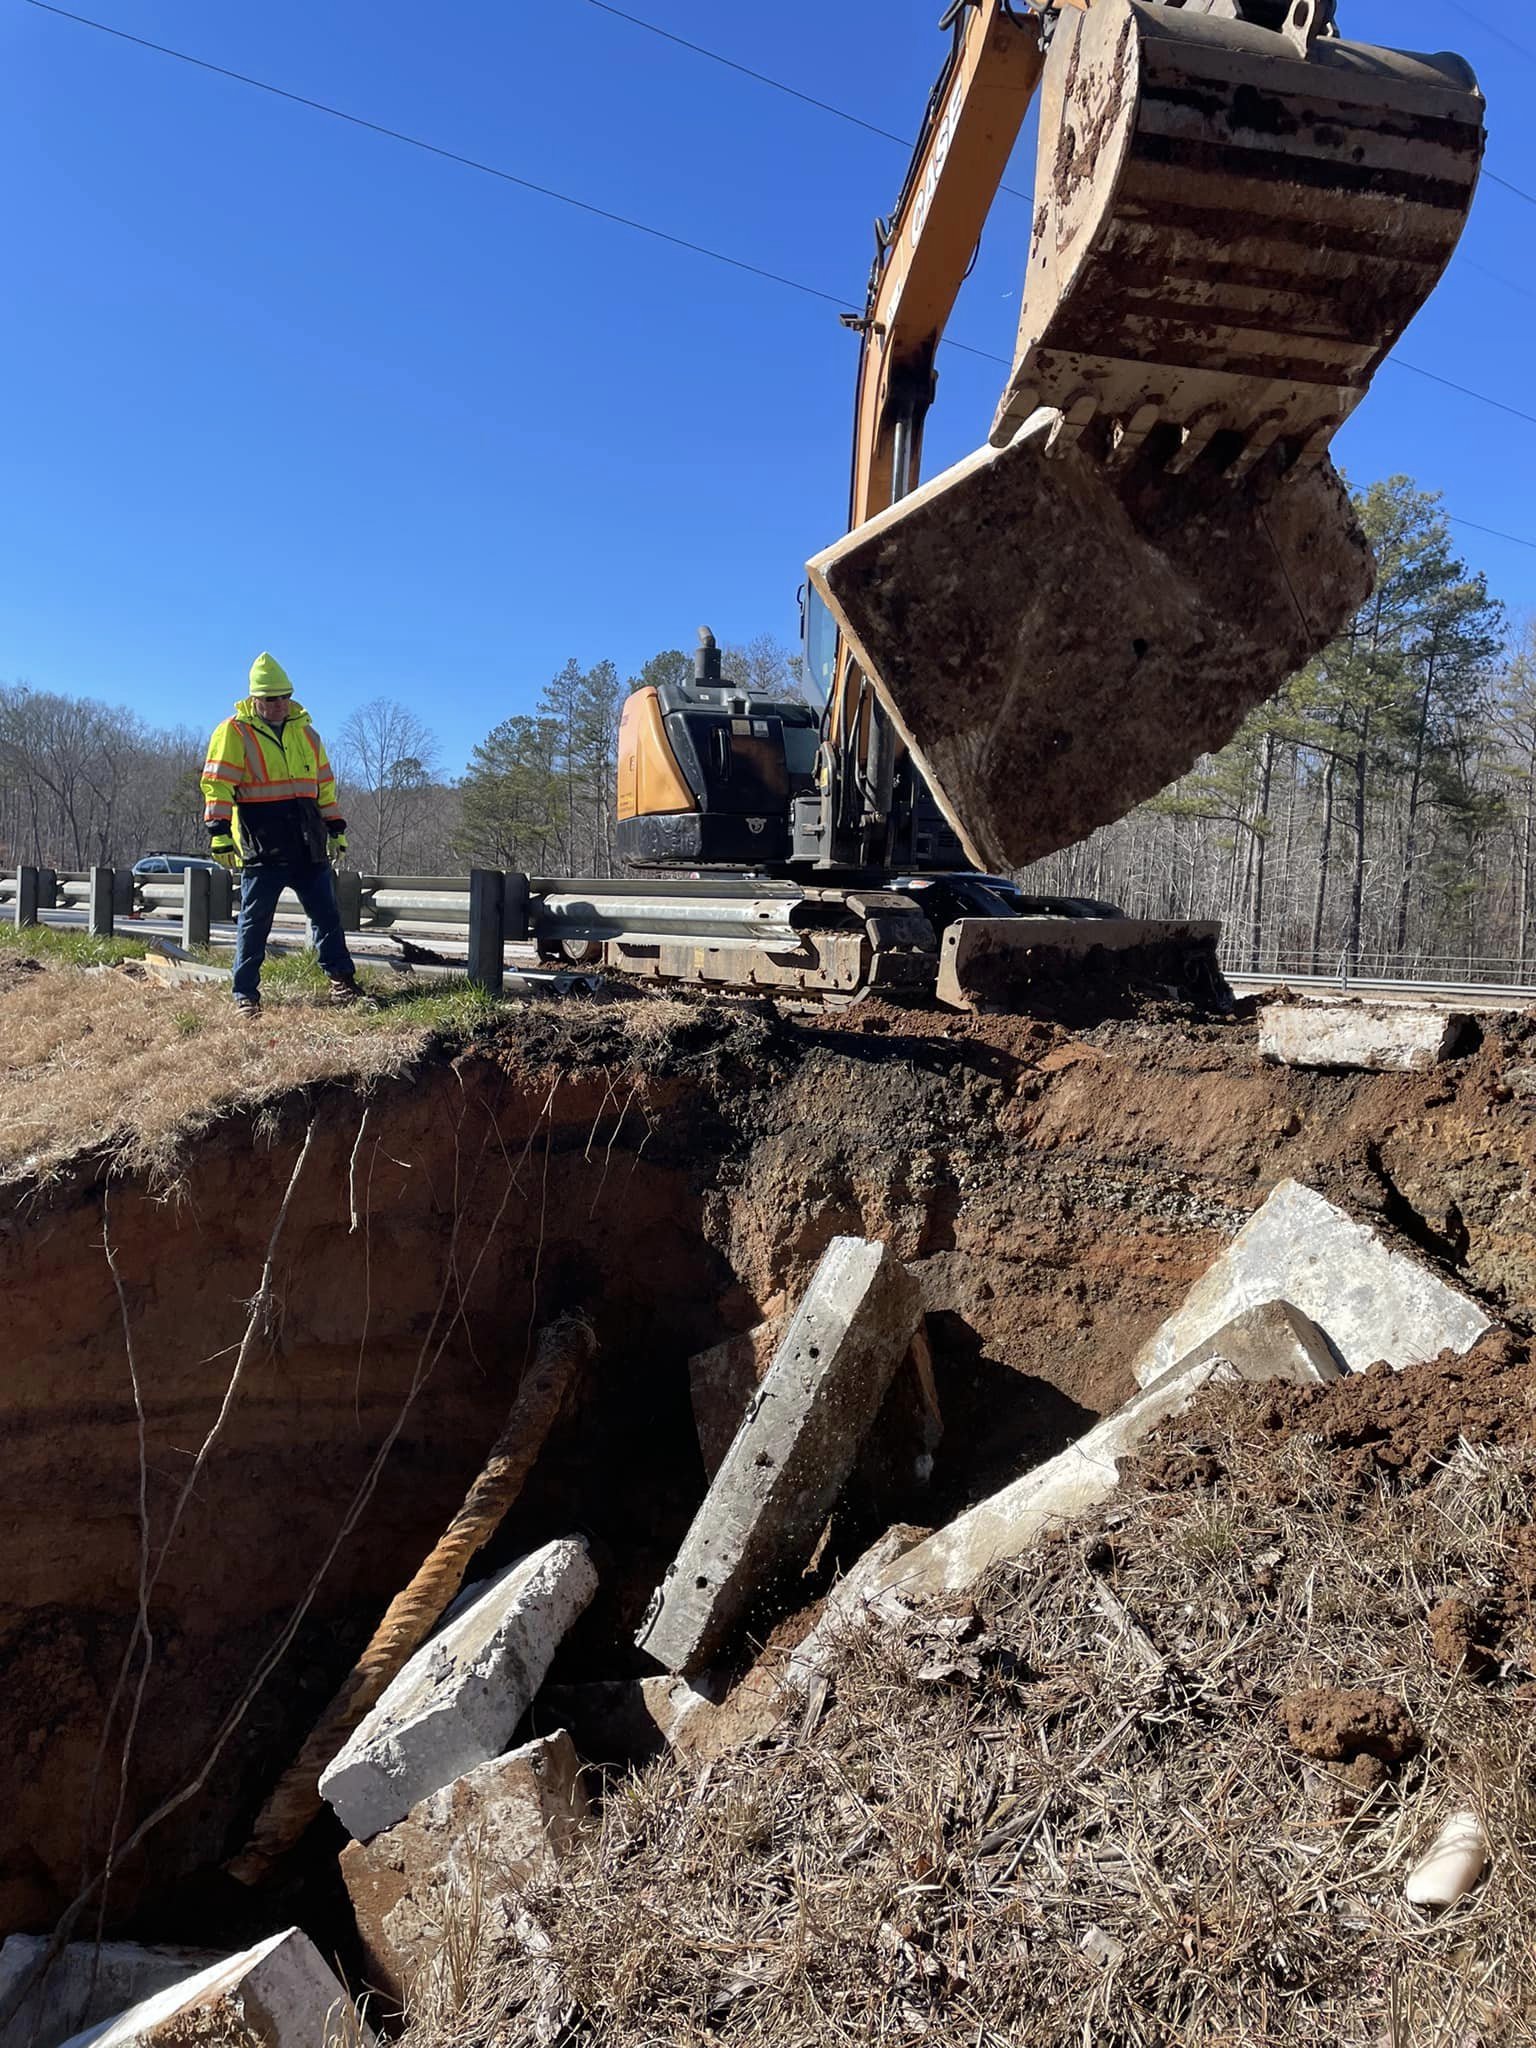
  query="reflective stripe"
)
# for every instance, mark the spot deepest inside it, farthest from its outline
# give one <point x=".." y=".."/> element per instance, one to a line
<point x="279" y="792"/>
<point x="254" y="765"/>
<point x="217" y="813"/>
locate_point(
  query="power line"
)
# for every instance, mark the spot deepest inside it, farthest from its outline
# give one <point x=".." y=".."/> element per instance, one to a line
<point x="1509" y="284"/>
<point x="1398" y="363"/>
<point x="618" y="219"/>
<point x="1494" y="179"/>
<point x="1472" y="523"/>
<point x="452" y="156"/>
<point x="760" y="77"/>
<point x="1488" y="29"/>
<point x="774" y="84"/>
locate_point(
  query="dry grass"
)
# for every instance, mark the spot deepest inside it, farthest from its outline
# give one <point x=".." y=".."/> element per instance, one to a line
<point x="1070" y="1816"/>
<point x="105" y="1061"/>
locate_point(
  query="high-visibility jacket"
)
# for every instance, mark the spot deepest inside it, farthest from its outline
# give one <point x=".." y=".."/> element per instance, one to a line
<point x="274" y="789"/>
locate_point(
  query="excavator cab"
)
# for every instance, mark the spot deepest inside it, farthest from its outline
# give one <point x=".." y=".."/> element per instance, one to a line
<point x="709" y="774"/>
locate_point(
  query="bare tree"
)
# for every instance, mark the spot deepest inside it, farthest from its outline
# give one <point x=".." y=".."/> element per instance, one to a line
<point x="387" y="756"/>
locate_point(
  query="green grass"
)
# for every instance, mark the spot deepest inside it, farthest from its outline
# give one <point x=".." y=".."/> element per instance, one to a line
<point x="66" y="948"/>
<point x="449" y="1004"/>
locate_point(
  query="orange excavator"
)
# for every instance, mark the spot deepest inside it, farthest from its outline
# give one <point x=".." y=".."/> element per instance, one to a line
<point x="1237" y="213"/>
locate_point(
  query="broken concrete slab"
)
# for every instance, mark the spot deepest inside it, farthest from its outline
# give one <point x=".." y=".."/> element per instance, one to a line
<point x="1272" y="1341"/>
<point x="1370" y="1300"/>
<point x="1085" y="1474"/>
<point x="461" y="1855"/>
<point x="722" y="1382"/>
<point x="985" y="662"/>
<point x="895" y="1461"/>
<point x="792" y="1454"/>
<point x="86" y="1983"/>
<point x="1378" y="1037"/>
<point x="459" y="1699"/>
<point x="279" y="1994"/>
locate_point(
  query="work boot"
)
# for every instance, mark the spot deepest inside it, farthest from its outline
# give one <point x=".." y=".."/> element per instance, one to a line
<point x="247" y="1006"/>
<point x="346" y="995"/>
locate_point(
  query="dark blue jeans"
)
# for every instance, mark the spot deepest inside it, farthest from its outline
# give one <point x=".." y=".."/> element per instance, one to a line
<point x="260" y="888"/>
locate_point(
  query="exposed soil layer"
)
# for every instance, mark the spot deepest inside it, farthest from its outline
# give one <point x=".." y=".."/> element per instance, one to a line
<point x="673" y="1169"/>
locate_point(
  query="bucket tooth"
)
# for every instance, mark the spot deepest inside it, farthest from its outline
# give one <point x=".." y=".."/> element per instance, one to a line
<point x="1128" y="435"/>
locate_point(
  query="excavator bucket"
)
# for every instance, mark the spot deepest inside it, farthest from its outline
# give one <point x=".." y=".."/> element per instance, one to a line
<point x="1234" y="223"/>
<point x="1056" y="642"/>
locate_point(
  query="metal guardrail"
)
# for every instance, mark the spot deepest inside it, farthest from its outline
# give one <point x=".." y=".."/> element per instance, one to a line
<point x="1502" y="993"/>
<point x="482" y="912"/>
<point x="488" y="910"/>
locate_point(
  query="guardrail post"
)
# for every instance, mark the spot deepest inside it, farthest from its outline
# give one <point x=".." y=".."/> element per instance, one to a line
<point x="196" y="906"/>
<point x="124" y="892"/>
<point x="221" y="893"/>
<point x="102" y="903"/>
<point x="515" y="909"/>
<point x="47" y="889"/>
<point x="487" y="928"/>
<point x="26" y="897"/>
<point x="349" y="898"/>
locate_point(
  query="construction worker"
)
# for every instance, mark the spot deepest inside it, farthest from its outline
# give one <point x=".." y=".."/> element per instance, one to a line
<point x="271" y="812"/>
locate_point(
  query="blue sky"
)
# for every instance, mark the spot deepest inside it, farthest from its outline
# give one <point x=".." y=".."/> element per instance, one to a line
<point x="273" y="382"/>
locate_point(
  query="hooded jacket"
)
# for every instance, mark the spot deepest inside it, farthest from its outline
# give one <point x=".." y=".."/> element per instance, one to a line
<point x="273" y="789"/>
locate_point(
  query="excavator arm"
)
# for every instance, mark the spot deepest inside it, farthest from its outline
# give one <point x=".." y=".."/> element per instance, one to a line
<point x="969" y="130"/>
<point x="1237" y="213"/>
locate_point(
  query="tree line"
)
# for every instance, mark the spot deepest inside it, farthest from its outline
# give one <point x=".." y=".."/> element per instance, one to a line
<point x="1377" y="815"/>
<point x="84" y="783"/>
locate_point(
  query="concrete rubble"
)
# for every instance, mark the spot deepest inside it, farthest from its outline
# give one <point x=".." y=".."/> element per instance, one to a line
<point x="279" y="1994"/>
<point x="1378" y="1037"/>
<point x="464" y="1853"/>
<point x="1371" y="1301"/>
<point x="457" y="1702"/>
<point x="86" y="1984"/>
<point x="788" y="1461"/>
<point x="722" y="1382"/>
<point x="1270" y="1341"/>
<point x="895" y="1459"/>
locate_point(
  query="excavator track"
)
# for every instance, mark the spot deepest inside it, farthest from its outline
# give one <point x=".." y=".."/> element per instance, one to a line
<point x="829" y="948"/>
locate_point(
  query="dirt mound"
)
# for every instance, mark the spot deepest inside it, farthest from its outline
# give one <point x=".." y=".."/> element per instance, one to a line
<point x="1369" y="1428"/>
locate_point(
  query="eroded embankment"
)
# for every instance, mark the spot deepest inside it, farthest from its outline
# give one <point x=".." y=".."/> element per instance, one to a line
<point x="1056" y="1193"/>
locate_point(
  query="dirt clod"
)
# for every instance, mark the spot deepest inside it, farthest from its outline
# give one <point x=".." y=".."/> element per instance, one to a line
<point x="1463" y="1636"/>
<point x="1337" y="1726"/>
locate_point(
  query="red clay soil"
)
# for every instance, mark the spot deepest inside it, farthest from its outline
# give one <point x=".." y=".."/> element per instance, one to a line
<point x="1381" y="1425"/>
